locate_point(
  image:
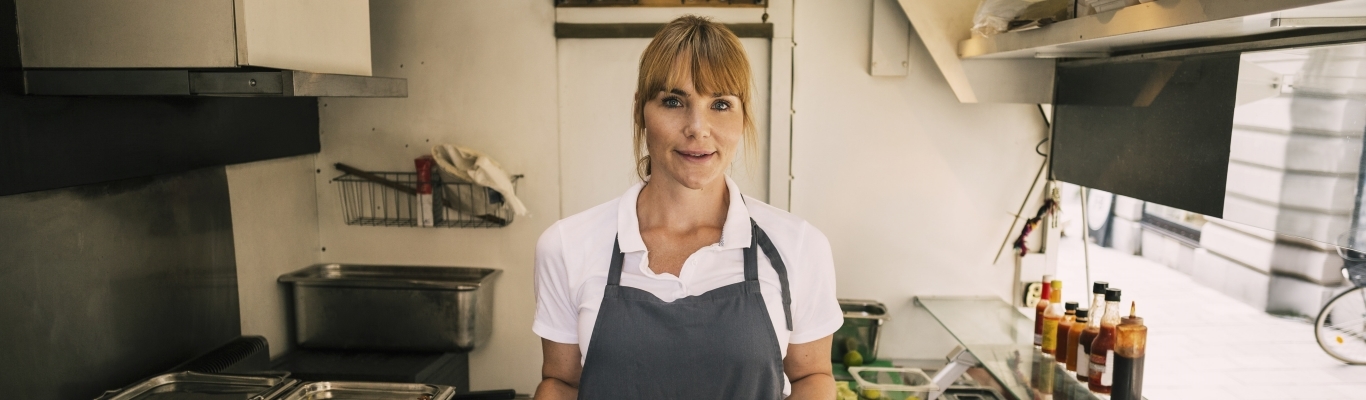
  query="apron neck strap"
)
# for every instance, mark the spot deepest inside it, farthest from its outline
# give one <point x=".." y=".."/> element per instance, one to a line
<point x="614" y="273"/>
<point x="752" y="254"/>
<point x="760" y="240"/>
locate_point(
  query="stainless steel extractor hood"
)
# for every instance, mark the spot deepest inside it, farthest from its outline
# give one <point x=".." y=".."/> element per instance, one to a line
<point x="208" y="82"/>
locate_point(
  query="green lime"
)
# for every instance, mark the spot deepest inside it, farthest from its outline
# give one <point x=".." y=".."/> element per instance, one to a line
<point x="853" y="358"/>
<point x="844" y="393"/>
<point x="872" y="394"/>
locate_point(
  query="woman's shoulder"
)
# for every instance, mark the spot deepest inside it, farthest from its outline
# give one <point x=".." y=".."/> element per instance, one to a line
<point x="573" y="231"/>
<point x="778" y="223"/>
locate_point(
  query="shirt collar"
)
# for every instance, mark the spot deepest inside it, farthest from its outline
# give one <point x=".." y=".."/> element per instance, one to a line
<point x="735" y="234"/>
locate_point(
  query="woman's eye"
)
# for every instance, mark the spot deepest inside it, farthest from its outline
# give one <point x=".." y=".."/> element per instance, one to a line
<point x="720" y="105"/>
<point x="672" y="102"/>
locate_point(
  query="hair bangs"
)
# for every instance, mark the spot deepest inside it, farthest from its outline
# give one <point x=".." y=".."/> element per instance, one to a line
<point x="714" y="71"/>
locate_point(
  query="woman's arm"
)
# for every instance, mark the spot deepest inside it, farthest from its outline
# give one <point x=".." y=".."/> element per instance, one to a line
<point x="808" y="367"/>
<point x="560" y="371"/>
<point x="556" y="318"/>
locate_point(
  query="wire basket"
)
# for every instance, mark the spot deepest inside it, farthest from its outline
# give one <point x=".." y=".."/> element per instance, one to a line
<point x="456" y="204"/>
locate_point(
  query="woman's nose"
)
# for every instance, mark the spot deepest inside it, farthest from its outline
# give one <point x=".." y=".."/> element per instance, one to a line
<point x="697" y="124"/>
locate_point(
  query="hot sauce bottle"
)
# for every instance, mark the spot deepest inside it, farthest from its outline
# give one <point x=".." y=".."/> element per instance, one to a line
<point x="1087" y="337"/>
<point x="1074" y="347"/>
<point x="1091" y="329"/>
<point x="1051" y="318"/>
<point x="1097" y="305"/>
<point x="1040" y="308"/>
<point x="1064" y="328"/>
<point x="1103" y="348"/>
<point x="1131" y="342"/>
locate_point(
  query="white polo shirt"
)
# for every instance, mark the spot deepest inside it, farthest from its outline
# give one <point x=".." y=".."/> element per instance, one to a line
<point x="574" y="254"/>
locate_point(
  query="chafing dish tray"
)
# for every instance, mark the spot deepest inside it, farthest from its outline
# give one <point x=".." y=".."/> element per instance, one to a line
<point x="383" y="307"/>
<point x="198" y="386"/>
<point x="369" y="391"/>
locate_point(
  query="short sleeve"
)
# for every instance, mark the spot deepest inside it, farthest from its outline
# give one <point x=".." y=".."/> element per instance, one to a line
<point x="815" y="309"/>
<point x="556" y="311"/>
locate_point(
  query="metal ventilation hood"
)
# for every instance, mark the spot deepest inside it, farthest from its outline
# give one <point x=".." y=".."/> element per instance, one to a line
<point x="207" y="82"/>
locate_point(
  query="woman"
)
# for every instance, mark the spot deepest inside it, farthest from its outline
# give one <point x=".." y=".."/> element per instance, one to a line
<point x="662" y="293"/>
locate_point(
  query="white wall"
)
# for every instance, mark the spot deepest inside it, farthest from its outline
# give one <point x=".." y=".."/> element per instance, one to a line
<point x="274" y="231"/>
<point x="914" y="189"/>
<point x="480" y="74"/>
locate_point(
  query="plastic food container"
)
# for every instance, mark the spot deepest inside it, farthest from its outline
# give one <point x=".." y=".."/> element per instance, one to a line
<point x="369" y="391"/>
<point x="863" y="321"/>
<point x="893" y="383"/>
<point x="194" y="385"/>
<point x="380" y="307"/>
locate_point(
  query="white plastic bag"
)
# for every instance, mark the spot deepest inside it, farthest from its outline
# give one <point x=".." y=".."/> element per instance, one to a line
<point x="467" y="165"/>
<point x="995" y="16"/>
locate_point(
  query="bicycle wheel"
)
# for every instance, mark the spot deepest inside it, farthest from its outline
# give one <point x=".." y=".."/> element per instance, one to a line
<point x="1341" y="327"/>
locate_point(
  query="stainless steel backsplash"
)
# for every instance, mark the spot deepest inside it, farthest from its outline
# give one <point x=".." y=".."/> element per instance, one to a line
<point x="104" y="284"/>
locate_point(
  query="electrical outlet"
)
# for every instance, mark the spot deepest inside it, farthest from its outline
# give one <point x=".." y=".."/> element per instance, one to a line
<point x="1033" y="291"/>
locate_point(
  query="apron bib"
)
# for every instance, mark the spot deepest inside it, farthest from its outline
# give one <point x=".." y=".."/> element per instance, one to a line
<point x="718" y="345"/>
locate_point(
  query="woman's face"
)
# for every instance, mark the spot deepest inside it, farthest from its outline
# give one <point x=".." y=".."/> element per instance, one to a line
<point x="692" y="136"/>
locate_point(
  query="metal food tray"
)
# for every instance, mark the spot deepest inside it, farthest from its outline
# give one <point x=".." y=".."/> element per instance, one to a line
<point x="379" y="307"/>
<point x="369" y="391"/>
<point x="863" y="321"/>
<point x="194" y="385"/>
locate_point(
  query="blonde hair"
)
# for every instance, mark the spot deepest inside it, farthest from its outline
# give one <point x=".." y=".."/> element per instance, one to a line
<point x="718" y="64"/>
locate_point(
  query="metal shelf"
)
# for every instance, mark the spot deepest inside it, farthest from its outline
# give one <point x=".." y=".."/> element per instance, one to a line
<point x="1159" y="23"/>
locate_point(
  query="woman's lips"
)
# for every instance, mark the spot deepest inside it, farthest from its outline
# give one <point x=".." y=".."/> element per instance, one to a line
<point x="695" y="156"/>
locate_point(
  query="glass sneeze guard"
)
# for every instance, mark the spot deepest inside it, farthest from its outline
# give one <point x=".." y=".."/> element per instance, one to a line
<point x="1002" y="338"/>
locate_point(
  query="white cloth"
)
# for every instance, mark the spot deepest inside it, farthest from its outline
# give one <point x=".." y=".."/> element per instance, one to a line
<point x="573" y="255"/>
<point x="471" y="166"/>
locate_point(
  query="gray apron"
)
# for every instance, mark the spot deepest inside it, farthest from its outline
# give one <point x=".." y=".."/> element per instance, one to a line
<point x="718" y="345"/>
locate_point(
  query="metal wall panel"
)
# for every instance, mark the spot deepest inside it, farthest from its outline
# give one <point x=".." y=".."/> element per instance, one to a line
<point x="127" y="33"/>
<point x="102" y="285"/>
<point x="1157" y="130"/>
<point x="49" y="142"/>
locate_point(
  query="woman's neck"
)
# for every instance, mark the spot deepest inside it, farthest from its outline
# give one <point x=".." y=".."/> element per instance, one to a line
<point x="669" y="205"/>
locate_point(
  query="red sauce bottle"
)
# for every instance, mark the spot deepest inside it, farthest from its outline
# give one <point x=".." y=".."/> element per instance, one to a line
<point x="1103" y="348"/>
<point x="1091" y="330"/>
<point x="1088" y="337"/>
<point x="1064" y="328"/>
<point x="1075" y="350"/>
